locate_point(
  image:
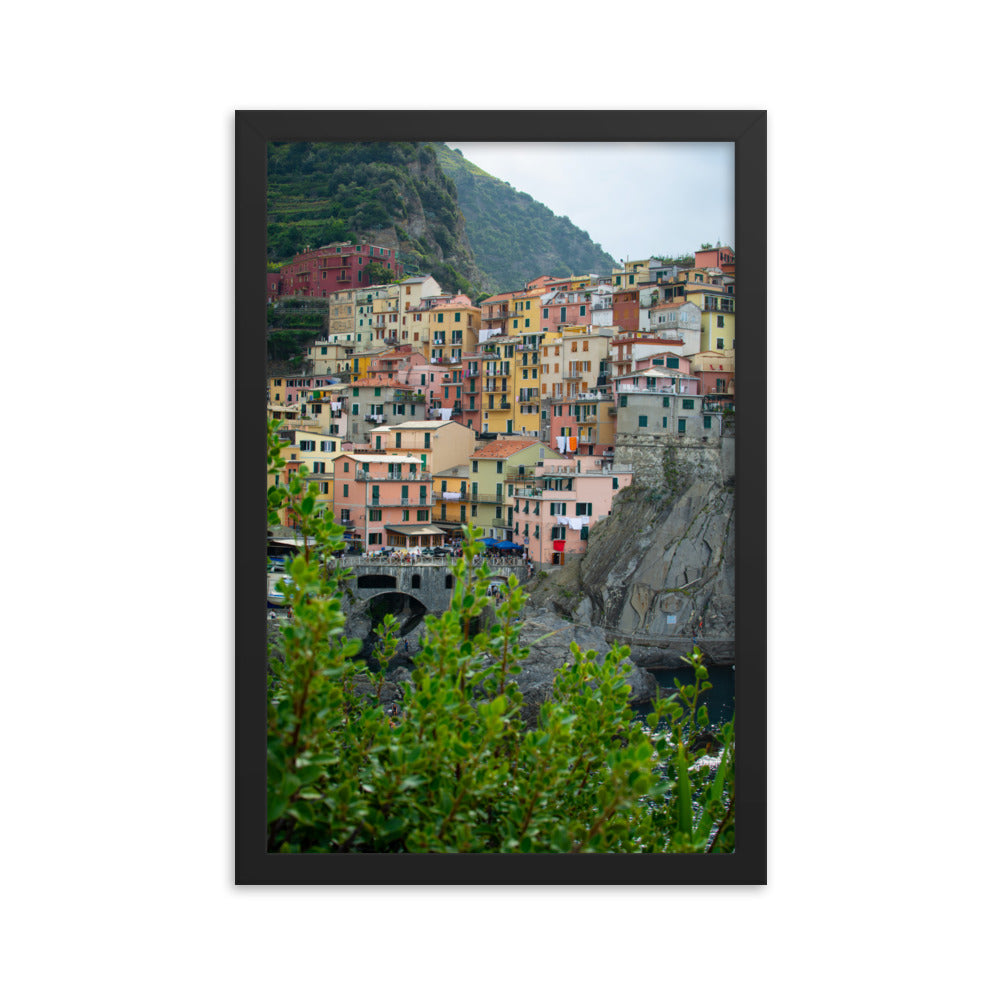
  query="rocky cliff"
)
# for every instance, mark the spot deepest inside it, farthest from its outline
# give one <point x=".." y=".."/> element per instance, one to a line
<point x="654" y="570"/>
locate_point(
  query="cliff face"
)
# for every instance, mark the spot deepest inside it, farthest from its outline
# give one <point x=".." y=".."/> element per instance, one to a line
<point x="516" y="238"/>
<point x="653" y="570"/>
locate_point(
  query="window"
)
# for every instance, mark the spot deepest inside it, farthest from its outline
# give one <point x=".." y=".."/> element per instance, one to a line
<point x="374" y="515"/>
<point x="347" y="466"/>
<point x="354" y="409"/>
<point x="666" y="402"/>
<point x="666" y="420"/>
<point x="623" y="400"/>
<point x="614" y="482"/>
<point x="423" y="515"/>
<point x="584" y="508"/>
<point x="545" y="314"/>
<point x="720" y="320"/>
<point x="687" y="404"/>
<point x="643" y="422"/>
<point x="558" y="531"/>
<point x="673" y="362"/>
<point x="707" y="423"/>
<point x="681" y="425"/>
<point x="355" y="392"/>
<point x="427" y="440"/>
<point x="719" y="342"/>
<point x="557" y="510"/>
<point x="345" y="489"/>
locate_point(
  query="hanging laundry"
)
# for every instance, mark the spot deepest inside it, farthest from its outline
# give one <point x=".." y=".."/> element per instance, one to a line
<point x="559" y="545"/>
<point x="446" y="414"/>
<point x="572" y="444"/>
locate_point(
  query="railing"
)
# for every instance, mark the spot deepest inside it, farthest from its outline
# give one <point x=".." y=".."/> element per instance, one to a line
<point x="718" y="407"/>
<point x="361" y="476"/>
<point x="504" y="404"/>
<point x="500" y="522"/>
<point x="401" y="396"/>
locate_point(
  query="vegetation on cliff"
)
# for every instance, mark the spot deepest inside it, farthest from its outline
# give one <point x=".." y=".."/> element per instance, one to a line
<point x="392" y="194"/>
<point x="516" y="238"/>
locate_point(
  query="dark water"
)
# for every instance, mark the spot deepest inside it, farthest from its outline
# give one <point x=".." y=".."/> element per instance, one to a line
<point x="721" y="699"/>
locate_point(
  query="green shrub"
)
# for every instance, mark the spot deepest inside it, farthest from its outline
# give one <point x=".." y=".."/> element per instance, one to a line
<point x="455" y="769"/>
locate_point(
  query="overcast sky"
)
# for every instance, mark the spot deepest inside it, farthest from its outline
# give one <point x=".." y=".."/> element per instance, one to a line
<point x="635" y="199"/>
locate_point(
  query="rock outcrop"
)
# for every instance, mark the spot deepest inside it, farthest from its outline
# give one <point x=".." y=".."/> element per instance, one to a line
<point x="548" y="637"/>
<point x="656" y="573"/>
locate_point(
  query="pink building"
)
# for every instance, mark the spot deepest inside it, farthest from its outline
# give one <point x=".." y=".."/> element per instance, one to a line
<point x="561" y="309"/>
<point x="373" y="494"/>
<point x="555" y="508"/>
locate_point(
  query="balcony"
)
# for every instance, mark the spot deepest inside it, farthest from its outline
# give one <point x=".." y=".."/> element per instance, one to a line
<point x="464" y="498"/>
<point x="500" y="522"/>
<point x="402" y="396"/>
<point x="504" y="404"/>
<point x="385" y="477"/>
<point x="374" y="418"/>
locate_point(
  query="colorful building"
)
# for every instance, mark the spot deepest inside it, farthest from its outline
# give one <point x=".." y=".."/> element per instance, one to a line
<point x="452" y="499"/>
<point x="332" y="268"/>
<point x="558" y="502"/>
<point x="374" y="494"/>
<point x="374" y="403"/>
<point x="489" y="466"/>
<point x="437" y="444"/>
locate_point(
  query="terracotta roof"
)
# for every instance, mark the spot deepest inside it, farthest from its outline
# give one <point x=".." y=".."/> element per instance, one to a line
<point x="504" y="449"/>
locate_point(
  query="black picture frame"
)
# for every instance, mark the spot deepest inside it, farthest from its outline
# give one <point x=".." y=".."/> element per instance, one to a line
<point x="747" y="865"/>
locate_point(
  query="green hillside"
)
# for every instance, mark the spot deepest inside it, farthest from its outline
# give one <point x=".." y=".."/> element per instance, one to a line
<point x="514" y="237"/>
<point x="393" y="194"/>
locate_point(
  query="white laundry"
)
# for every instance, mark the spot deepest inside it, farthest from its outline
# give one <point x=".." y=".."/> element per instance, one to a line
<point x="445" y="414"/>
<point x="452" y="496"/>
<point x="561" y="444"/>
<point x="562" y="520"/>
<point x="576" y="523"/>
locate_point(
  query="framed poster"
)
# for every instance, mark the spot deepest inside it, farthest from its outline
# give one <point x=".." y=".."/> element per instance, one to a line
<point x="636" y="399"/>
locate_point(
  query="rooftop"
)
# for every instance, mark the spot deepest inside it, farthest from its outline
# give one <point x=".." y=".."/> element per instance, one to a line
<point x="506" y="448"/>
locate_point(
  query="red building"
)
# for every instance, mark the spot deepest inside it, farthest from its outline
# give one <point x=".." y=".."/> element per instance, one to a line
<point x="333" y="268"/>
<point x="625" y="310"/>
<point x="721" y="257"/>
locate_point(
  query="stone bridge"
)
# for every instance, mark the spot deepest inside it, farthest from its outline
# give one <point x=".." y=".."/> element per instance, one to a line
<point x="428" y="580"/>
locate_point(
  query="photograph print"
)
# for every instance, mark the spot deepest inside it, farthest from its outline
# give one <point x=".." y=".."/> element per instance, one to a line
<point x="501" y="501"/>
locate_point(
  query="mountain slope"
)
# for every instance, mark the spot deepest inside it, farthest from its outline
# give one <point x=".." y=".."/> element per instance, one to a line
<point x="514" y="237"/>
<point x="392" y="194"/>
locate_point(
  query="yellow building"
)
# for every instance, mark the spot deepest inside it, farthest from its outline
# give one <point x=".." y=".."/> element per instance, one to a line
<point x="313" y="451"/>
<point x="452" y="498"/>
<point x="715" y="294"/>
<point x="525" y="313"/>
<point x="452" y="327"/>
<point x="633" y="274"/>
<point x="528" y="382"/>
<point x="497" y="393"/>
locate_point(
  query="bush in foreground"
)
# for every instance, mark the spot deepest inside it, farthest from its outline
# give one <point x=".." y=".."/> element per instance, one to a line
<point x="455" y="769"/>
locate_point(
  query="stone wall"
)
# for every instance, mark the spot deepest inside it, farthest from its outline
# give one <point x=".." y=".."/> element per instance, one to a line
<point x="673" y="463"/>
